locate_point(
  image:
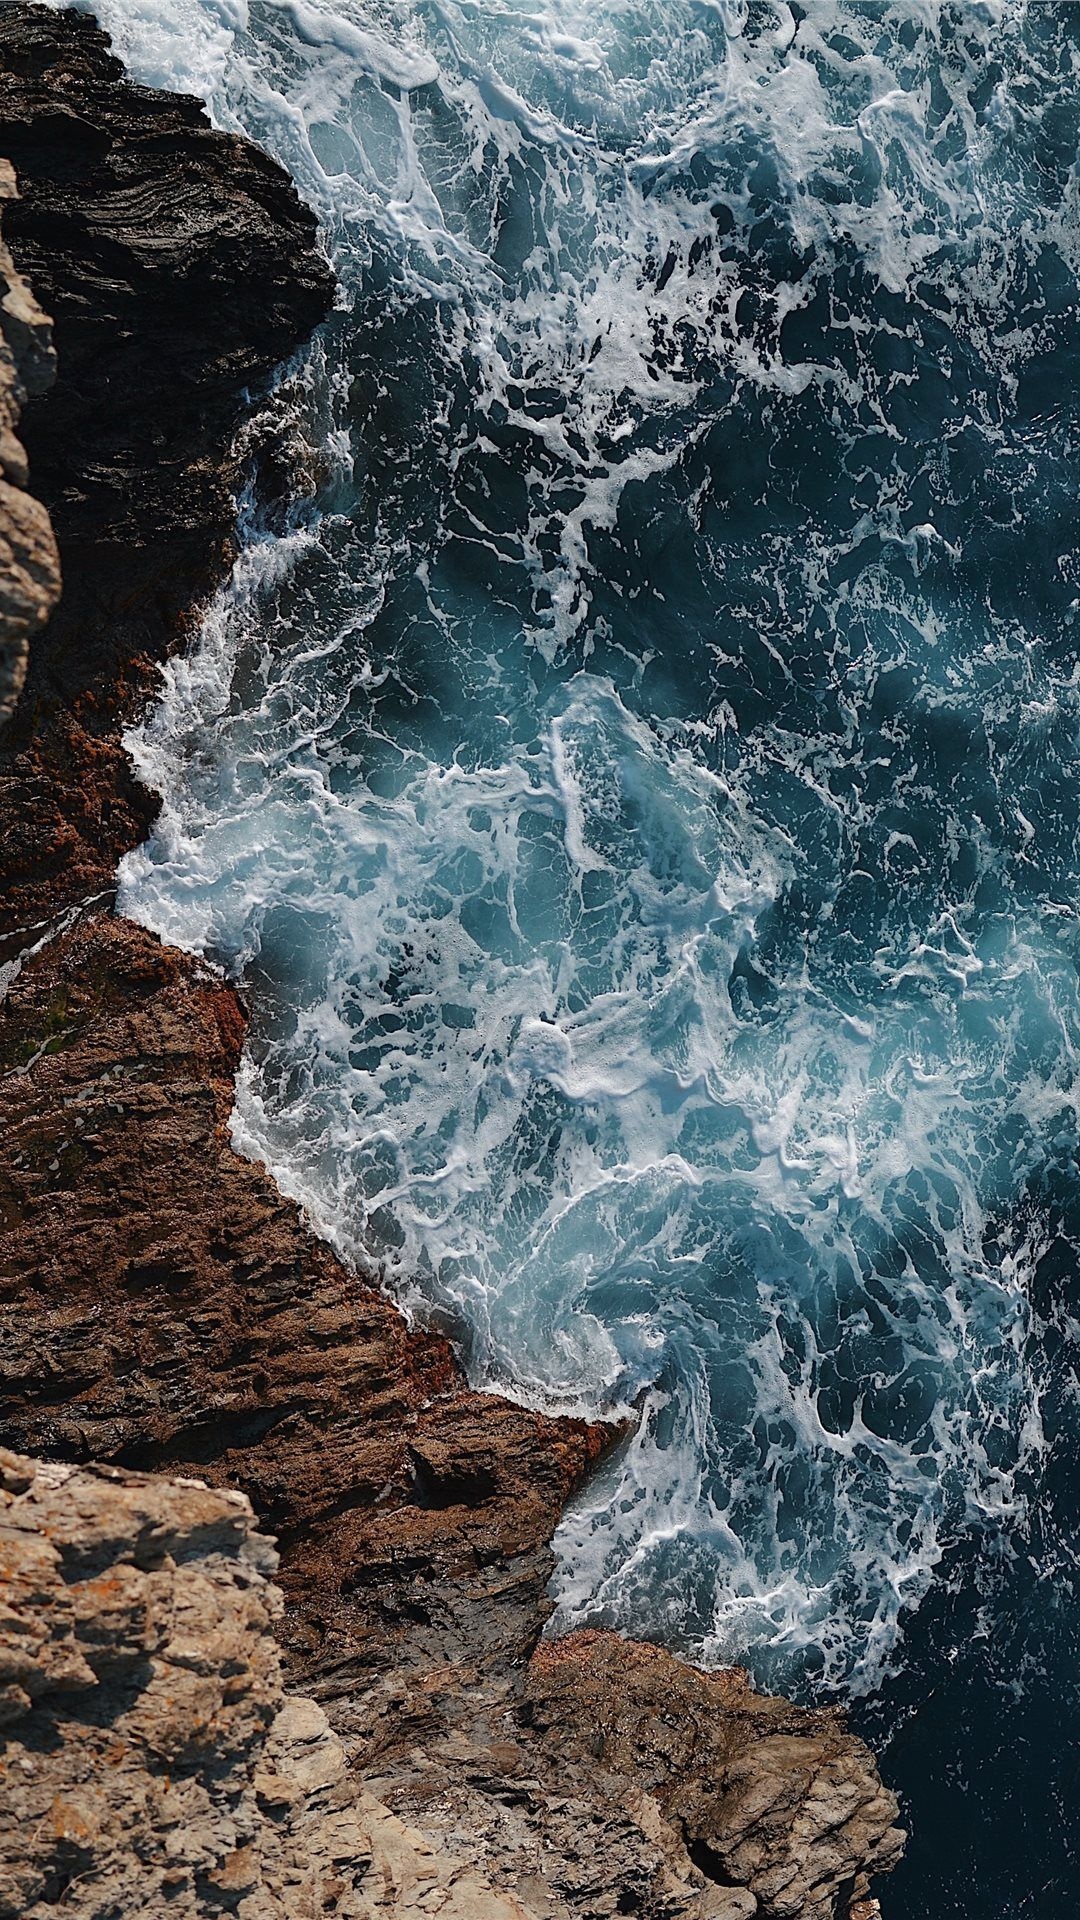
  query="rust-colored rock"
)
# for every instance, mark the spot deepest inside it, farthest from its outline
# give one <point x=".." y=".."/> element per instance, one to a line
<point x="161" y="1305"/>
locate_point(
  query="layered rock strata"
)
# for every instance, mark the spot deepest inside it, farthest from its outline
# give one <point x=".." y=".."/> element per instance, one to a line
<point x="152" y="1758"/>
<point x="161" y="1306"/>
<point x="29" y="562"/>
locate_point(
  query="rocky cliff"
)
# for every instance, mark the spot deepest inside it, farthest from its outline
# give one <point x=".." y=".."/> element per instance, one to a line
<point x="162" y="1308"/>
<point x="180" y="268"/>
<point x="29" y="562"/>
<point x="152" y="1757"/>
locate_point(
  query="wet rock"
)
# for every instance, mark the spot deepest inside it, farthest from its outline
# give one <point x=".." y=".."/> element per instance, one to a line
<point x="162" y="1306"/>
<point x="152" y="1756"/>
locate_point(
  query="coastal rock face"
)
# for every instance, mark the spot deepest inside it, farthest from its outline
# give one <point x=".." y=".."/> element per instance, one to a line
<point x="180" y="268"/>
<point x="151" y="1756"/>
<point x="770" y="1798"/>
<point x="196" y="1328"/>
<point x="161" y="1305"/>
<point x="164" y="1310"/>
<point x="29" y="562"/>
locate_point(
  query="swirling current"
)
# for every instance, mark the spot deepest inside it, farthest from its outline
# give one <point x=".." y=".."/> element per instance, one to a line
<point x="638" y="788"/>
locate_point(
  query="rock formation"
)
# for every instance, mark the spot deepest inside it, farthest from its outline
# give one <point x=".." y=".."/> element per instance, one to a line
<point x="152" y="1758"/>
<point x="196" y="1327"/>
<point x="180" y="268"/>
<point x="766" y="1798"/>
<point x="162" y="1307"/>
<point x="29" y="562"/>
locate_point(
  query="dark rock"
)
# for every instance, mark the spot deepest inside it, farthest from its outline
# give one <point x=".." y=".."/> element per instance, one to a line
<point x="29" y="562"/>
<point x="180" y="268"/>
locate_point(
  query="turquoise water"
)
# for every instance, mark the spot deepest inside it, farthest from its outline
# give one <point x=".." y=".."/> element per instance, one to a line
<point x="638" y="791"/>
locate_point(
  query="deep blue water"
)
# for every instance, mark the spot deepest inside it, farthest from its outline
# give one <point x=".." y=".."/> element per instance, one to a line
<point x="640" y="794"/>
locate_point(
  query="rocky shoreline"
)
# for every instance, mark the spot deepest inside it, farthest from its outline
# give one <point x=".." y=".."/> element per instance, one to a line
<point x="162" y="1308"/>
<point x="29" y="561"/>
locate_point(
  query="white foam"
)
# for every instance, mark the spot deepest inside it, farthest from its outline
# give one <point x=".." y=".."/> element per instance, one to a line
<point x="520" y="1049"/>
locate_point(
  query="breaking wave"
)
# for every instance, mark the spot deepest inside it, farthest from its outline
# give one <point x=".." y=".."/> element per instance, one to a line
<point x="639" y="785"/>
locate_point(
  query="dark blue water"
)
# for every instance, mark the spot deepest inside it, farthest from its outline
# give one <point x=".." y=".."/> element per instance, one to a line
<point x="640" y="794"/>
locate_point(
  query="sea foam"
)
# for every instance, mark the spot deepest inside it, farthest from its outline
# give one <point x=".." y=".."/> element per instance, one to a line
<point x="638" y="793"/>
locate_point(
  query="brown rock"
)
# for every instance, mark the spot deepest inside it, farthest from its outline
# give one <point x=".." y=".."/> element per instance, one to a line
<point x="29" y="562"/>
<point x="768" y="1797"/>
<point x="161" y="1305"/>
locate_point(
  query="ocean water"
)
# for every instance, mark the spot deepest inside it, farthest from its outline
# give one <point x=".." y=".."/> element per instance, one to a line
<point x="638" y="792"/>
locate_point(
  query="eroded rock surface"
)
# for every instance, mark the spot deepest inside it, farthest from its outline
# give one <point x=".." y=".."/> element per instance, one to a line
<point x="197" y="1328"/>
<point x="161" y="1305"/>
<point x="29" y="561"/>
<point x="150" y="1758"/>
<point x="768" y="1797"/>
<point x="180" y="268"/>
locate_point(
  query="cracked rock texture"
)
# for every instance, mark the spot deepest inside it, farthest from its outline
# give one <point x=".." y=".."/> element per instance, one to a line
<point x="29" y="562"/>
<point x="150" y="1755"/>
<point x="766" y="1796"/>
<point x="151" y="1758"/>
